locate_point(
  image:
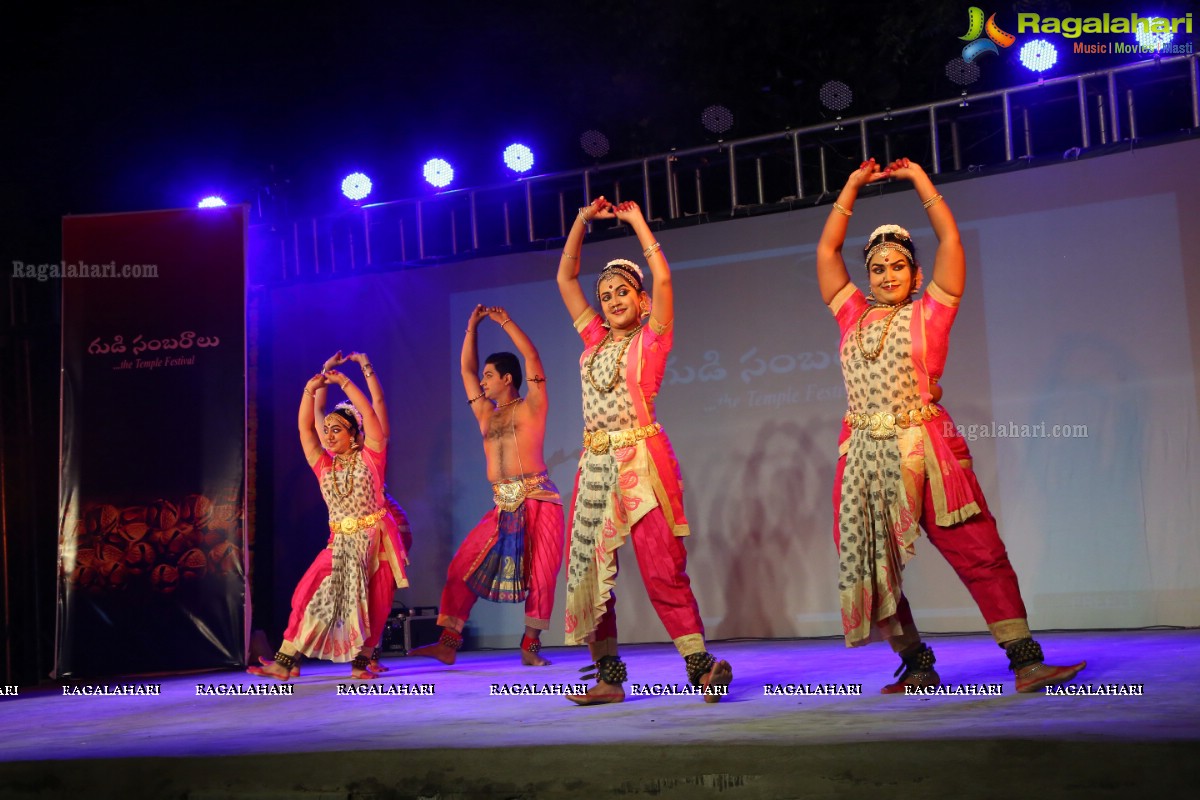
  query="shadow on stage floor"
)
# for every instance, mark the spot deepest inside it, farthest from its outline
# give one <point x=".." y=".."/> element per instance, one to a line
<point x="476" y="730"/>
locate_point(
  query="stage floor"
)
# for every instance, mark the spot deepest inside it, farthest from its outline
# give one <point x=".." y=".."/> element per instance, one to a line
<point x="453" y="736"/>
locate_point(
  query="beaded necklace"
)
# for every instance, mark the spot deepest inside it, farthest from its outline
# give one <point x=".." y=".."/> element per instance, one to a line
<point x="348" y="468"/>
<point x="616" y="374"/>
<point x="887" y="324"/>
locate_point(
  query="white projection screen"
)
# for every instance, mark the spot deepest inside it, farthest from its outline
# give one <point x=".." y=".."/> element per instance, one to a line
<point x="1081" y="322"/>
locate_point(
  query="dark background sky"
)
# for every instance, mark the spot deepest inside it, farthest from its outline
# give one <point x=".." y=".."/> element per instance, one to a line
<point x="149" y="105"/>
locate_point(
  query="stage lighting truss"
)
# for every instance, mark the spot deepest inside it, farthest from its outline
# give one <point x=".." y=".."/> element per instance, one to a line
<point x="356" y="186"/>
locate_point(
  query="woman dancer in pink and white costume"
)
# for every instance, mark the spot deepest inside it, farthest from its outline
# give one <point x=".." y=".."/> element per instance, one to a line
<point x="628" y="484"/>
<point x="902" y="464"/>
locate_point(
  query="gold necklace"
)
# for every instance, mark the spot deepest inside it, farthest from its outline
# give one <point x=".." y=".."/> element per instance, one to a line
<point x="616" y="374"/>
<point x="509" y="403"/>
<point x="887" y="324"/>
<point x="347" y="467"/>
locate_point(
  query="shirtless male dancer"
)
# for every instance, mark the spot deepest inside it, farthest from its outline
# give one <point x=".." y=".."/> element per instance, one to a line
<point x="515" y="552"/>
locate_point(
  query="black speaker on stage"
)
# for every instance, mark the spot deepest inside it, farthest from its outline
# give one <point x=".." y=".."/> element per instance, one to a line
<point x="407" y="628"/>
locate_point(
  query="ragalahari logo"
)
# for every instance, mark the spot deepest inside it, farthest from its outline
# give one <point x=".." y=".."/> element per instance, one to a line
<point x="976" y="27"/>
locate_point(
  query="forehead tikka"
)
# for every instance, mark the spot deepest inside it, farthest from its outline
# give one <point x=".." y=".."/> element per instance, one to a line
<point x="883" y="247"/>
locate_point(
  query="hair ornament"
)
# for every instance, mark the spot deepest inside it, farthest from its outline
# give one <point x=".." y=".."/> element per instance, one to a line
<point x="348" y="412"/>
<point x="895" y="230"/>
<point x="628" y="270"/>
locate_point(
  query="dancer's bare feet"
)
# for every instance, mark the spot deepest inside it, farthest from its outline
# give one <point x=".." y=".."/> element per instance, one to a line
<point x="531" y="652"/>
<point x="271" y="669"/>
<point x="530" y="659"/>
<point x="360" y="668"/>
<point x="376" y="665"/>
<point x="599" y="694"/>
<point x="1025" y="658"/>
<point x="916" y="670"/>
<point x="1036" y="677"/>
<point x="445" y="649"/>
<point x="441" y="652"/>
<point x="715" y="682"/>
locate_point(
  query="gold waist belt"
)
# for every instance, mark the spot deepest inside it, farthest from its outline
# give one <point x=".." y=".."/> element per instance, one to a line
<point x="355" y="524"/>
<point x="879" y="425"/>
<point x="510" y="494"/>
<point x="600" y="442"/>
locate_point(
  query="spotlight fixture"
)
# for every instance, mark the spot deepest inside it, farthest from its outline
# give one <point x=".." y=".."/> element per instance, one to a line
<point x="594" y="143"/>
<point x="716" y="119"/>
<point x="962" y="72"/>
<point x="356" y="186"/>
<point x="1038" y="55"/>
<point x="836" y="96"/>
<point x="438" y="172"/>
<point x="518" y="158"/>
<point x="212" y="201"/>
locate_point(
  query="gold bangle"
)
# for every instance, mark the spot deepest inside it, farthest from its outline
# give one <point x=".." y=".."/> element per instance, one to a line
<point x="651" y="250"/>
<point x="310" y="394"/>
<point x="476" y="397"/>
<point x="502" y="324"/>
<point x="839" y="208"/>
<point x="568" y="255"/>
<point x="370" y="374"/>
<point x="342" y="385"/>
<point x="583" y="217"/>
<point x="931" y="201"/>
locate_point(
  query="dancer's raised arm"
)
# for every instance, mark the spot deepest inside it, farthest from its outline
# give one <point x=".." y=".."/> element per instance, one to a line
<point x="309" y="440"/>
<point x="535" y="373"/>
<point x="949" y="265"/>
<point x="469" y="362"/>
<point x="662" y="313"/>
<point x="832" y="274"/>
<point x="372" y="430"/>
<point x="568" y="264"/>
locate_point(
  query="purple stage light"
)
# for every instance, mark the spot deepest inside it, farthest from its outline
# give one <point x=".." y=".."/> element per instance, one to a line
<point x="518" y="158"/>
<point x="438" y="172"/>
<point x="1038" y="55"/>
<point x="212" y="201"/>
<point x="356" y="186"/>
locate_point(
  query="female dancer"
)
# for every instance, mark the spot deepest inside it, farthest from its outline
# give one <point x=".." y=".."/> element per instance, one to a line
<point x="382" y="582"/>
<point x="628" y="484"/>
<point x="902" y="462"/>
<point x="336" y="606"/>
